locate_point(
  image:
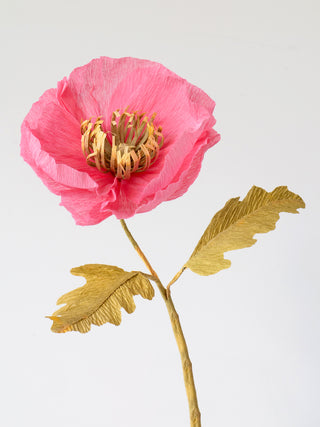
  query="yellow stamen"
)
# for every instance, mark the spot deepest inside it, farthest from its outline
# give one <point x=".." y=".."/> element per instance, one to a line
<point x="134" y="144"/>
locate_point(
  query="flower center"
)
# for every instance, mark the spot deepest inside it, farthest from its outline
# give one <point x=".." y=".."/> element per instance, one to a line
<point x="131" y="146"/>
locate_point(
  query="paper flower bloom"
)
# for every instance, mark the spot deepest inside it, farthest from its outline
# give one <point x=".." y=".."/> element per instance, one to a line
<point x="118" y="137"/>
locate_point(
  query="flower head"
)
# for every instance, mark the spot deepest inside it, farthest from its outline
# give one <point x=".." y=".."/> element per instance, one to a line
<point x="118" y="137"/>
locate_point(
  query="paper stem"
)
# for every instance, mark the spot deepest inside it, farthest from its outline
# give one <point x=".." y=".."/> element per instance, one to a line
<point x="175" y="278"/>
<point x="195" y="417"/>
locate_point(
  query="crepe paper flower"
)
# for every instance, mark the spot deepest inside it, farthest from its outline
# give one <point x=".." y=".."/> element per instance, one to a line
<point x="118" y="137"/>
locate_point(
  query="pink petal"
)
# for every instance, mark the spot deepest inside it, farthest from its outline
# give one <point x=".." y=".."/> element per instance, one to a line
<point x="179" y="184"/>
<point x="189" y="171"/>
<point x="85" y="206"/>
<point x="59" y="135"/>
<point x="87" y="91"/>
<point x="57" y="177"/>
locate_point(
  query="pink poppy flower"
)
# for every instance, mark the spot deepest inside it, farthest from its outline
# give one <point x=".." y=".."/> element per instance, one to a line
<point x="118" y="137"/>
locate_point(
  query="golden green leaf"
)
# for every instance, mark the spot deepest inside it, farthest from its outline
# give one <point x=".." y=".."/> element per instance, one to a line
<point x="108" y="288"/>
<point x="234" y="226"/>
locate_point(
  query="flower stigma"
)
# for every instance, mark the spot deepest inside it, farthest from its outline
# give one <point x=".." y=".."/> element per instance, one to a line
<point x="132" y="145"/>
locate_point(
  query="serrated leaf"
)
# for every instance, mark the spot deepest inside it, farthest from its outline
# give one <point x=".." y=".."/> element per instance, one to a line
<point x="234" y="226"/>
<point x="108" y="288"/>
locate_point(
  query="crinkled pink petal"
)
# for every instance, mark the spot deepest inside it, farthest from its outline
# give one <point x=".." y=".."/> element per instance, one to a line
<point x="57" y="177"/>
<point x="190" y="169"/>
<point x="59" y="135"/>
<point x="87" y="91"/>
<point x="85" y="206"/>
<point x="179" y="185"/>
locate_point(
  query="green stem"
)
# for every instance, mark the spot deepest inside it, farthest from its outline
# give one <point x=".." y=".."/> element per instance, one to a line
<point x="195" y="418"/>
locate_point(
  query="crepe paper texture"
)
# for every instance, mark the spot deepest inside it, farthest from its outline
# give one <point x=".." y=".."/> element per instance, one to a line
<point x="118" y="137"/>
<point x="108" y="288"/>
<point x="51" y="135"/>
<point x="234" y="226"/>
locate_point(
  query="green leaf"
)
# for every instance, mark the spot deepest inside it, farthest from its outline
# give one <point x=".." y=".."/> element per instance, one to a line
<point x="108" y="288"/>
<point x="234" y="226"/>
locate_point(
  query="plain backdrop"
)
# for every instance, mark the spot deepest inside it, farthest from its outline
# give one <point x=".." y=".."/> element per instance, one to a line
<point x="253" y="330"/>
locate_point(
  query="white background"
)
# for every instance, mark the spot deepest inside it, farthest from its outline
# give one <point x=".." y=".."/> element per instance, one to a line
<point x="253" y="330"/>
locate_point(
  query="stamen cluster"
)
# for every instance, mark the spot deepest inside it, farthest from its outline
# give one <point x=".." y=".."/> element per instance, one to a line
<point x="131" y="146"/>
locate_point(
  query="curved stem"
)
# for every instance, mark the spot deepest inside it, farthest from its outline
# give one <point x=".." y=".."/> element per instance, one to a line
<point x="195" y="417"/>
<point x="162" y="289"/>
